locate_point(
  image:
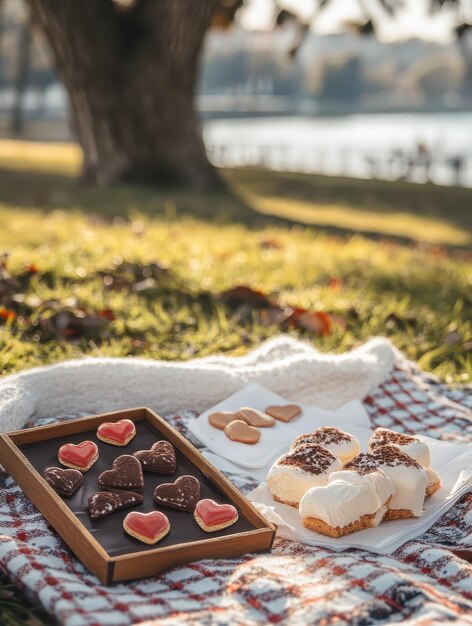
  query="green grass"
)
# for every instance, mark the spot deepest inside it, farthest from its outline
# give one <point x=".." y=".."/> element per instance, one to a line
<point x="380" y="258"/>
<point x="404" y="274"/>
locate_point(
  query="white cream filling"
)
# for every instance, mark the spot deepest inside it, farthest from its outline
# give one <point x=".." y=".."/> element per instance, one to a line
<point x="416" y="450"/>
<point x="410" y="487"/>
<point x="344" y="450"/>
<point x="431" y="477"/>
<point x="290" y="483"/>
<point x="347" y="496"/>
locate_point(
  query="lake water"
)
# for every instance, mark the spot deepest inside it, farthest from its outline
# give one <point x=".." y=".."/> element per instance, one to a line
<point x="413" y="146"/>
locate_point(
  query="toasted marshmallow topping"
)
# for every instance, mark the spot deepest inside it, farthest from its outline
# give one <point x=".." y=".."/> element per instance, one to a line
<point x="406" y="474"/>
<point x="347" y="497"/>
<point x="410" y="445"/>
<point x="298" y="470"/>
<point x="343" y="445"/>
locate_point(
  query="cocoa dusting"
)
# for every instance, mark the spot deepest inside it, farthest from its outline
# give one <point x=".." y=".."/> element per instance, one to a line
<point x="384" y="436"/>
<point x="309" y="458"/>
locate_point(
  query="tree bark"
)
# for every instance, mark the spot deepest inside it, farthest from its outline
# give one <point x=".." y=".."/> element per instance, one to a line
<point x="21" y="77"/>
<point x="130" y="75"/>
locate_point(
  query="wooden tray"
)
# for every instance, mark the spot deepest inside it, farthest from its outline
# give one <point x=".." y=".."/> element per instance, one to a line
<point x="102" y="545"/>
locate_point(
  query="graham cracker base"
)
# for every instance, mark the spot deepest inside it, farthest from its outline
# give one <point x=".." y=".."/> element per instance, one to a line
<point x="294" y="504"/>
<point x="398" y="514"/>
<point x="319" y="526"/>
<point x="433" y="488"/>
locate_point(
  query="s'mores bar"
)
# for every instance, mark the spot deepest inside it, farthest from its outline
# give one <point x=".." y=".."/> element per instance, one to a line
<point x="298" y="470"/>
<point x="349" y="502"/>
<point x="406" y="443"/>
<point x="343" y="445"/>
<point x="412" y="446"/>
<point x="408" y="477"/>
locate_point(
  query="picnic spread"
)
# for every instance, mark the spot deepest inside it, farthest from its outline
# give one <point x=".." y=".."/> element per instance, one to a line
<point x="308" y="582"/>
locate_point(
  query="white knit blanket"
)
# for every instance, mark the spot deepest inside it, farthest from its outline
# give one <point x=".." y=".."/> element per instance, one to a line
<point x="292" y="368"/>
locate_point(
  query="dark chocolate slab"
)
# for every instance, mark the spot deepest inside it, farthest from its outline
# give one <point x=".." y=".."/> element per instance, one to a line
<point x="109" y="531"/>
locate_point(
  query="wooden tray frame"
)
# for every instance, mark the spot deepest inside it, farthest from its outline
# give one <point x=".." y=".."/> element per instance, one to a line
<point x="111" y="569"/>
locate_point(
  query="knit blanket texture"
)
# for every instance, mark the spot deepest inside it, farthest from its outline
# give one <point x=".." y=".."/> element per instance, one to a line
<point x="427" y="580"/>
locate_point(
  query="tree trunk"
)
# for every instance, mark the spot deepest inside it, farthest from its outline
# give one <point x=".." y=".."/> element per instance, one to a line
<point x="130" y="74"/>
<point x="21" y="77"/>
<point x="466" y="53"/>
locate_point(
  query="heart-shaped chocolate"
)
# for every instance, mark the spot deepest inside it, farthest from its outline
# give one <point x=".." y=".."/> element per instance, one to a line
<point x="211" y="516"/>
<point x="242" y="432"/>
<point x="256" y="418"/>
<point x="160" y="458"/>
<point x="126" y="473"/>
<point x="147" y="527"/>
<point x="284" y="413"/>
<point x="104" y="503"/>
<point x="79" y="456"/>
<point x="183" y="494"/>
<point x="117" y="433"/>
<point x="65" y="482"/>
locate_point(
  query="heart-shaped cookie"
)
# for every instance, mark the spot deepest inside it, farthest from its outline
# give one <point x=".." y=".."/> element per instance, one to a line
<point x="117" y="433"/>
<point x="125" y="473"/>
<point x="65" y="482"/>
<point x="242" y="432"/>
<point x="81" y="456"/>
<point x="221" y="419"/>
<point x="160" y="458"/>
<point x="211" y="516"/>
<point x="284" y="413"/>
<point x="147" y="527"/>
<point x="256" y="418"/>
<point x="104" y="503"/>
<point x="183" y="494"/>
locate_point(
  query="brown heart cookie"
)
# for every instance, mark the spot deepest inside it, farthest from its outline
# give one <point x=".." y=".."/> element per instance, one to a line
<point x="256" y="418"/>
<point x="126" y="473"/>
<point x="242" y="432"/>
<point x="221" y="419"/>
<point x="65" y="482"/>
<point x="104" y="503"/>
<point x="284" y="413"/>
<point x="160" y="458"/>
<point x="183" y="494"/>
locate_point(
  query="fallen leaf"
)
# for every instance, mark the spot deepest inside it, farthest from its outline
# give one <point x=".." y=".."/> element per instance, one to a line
<point x="7" y="315"/>
<point x="70" y="325"/>
<point x="274" y="315"/>
<point x="107" y="314"/>
<point x="140" y="343"/>
<point x="31" y="268"/>
<point x="271" y="242"/>
<point x="242" y="294"/>
<point x="334" y="284"/>
<point x="8" y="286"/>
<point x="316" y="322"/>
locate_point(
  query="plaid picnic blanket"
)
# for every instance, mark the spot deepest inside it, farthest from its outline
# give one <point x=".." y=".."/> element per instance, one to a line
<point x="425" y="581"/>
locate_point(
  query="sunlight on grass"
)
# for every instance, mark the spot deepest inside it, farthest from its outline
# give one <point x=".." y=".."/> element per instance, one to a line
<point x="375" y="288"/>
<point x="58" y="158"/>
<point x="432" y="230"/>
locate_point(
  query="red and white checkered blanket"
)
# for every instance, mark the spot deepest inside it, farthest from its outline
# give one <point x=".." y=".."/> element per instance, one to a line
<point x="424" y="581"/>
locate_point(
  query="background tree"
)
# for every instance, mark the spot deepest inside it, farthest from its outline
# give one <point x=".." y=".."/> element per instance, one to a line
<point x="130" y="69"/>
<point x="21" y="76"/>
